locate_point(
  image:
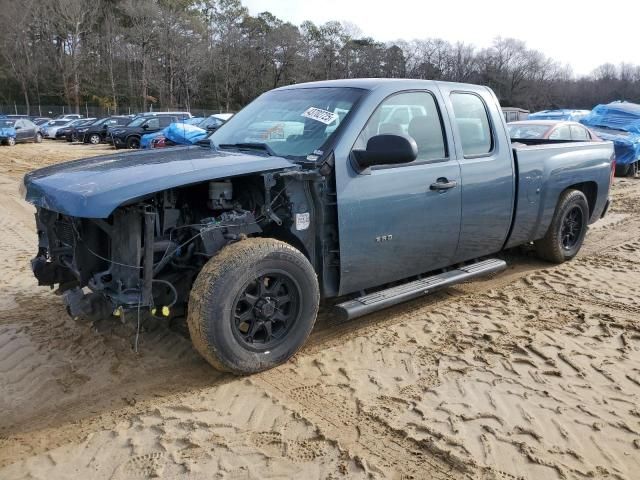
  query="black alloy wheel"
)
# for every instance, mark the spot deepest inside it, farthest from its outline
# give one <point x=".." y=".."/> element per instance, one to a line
<point x="265" y="310"/>
<point x="571" y="230"/>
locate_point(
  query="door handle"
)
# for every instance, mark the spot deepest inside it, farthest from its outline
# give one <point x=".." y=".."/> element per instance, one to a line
<point x="443" y="184"/>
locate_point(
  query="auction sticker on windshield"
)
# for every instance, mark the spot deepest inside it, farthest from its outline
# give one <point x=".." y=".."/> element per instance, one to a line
<point x="320" y="115"/>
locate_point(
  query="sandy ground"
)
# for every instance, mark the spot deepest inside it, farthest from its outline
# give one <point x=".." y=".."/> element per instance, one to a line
<point x="534" y="373"/>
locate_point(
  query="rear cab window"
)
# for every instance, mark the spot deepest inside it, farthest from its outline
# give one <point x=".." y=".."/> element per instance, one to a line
<point x="474" y="128"/>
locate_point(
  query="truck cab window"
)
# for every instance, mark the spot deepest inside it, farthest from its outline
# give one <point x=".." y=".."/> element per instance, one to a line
<point x="473" y="124"/>
<point x="413" y="114"/>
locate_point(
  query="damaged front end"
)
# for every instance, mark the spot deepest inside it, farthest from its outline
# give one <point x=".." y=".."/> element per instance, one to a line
<point x="144" y="255"/>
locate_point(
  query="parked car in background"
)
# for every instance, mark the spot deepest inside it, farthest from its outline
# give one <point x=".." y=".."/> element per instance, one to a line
<point x="69" y="116"/>
<point x="619" y="122"/>
<point x="40" y="121"/>
<point x="68" y="131"/>
<point x="223" y="116"/>
<point x="551" y="130"/>
<point x="514" y="114"/>
<point x="129" y="135"/>
<point x="213" y="122"/>
<point x="180" y="115"/>
<point x="247" y="234"/>
<point x="50" y="129"/>
<point x="562" y="114"/>
<point x="194" y="131"/>
<point x="19" y="130"/>
<point x="98" y="131"/>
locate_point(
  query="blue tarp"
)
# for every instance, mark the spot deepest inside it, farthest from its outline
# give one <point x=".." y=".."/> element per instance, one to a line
<point x="625" y="144"/>
<point x="184" y="134"/>
<point x="146" y="139"/>
<point x="6" y="132"/>
<point x="616" y="115"/>
<point x="178" y="133"/>
<point x="563" y="114"/>
<point x="620" y="123"/>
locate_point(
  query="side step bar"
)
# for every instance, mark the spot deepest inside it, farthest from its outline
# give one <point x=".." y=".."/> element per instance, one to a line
<point x="392" y="296"/>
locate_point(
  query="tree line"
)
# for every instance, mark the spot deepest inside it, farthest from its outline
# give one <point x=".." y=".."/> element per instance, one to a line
<point x="186" y="54"/>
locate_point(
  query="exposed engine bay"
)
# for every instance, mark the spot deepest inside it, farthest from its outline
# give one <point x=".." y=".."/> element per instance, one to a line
<point x="148" y="253"/>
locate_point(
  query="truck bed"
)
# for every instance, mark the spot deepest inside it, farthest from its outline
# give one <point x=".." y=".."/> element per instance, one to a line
<point x="546" y="169"/>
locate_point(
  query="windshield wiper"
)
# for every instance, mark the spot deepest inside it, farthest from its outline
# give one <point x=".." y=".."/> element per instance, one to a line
<point x="249" y="146"/>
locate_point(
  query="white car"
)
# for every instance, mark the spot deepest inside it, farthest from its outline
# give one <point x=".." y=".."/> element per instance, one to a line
<point x="69" y="116"/>
<point x="223" y="116"/>
<point x="49" y="130"/>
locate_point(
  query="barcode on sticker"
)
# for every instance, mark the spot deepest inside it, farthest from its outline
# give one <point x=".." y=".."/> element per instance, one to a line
<point x="320" y="115"/>
<point x="302" y="221"/>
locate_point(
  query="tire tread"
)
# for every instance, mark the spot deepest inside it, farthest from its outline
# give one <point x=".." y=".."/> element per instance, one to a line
<point x="231" y="258"/>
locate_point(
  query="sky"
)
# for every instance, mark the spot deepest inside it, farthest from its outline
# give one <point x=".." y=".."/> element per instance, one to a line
<point x="580" y="33"/>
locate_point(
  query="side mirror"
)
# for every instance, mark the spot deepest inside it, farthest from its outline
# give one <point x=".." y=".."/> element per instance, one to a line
<point x="145" y="126"/>
<point x="387" y="150"/>
<point x="17" y="128"/>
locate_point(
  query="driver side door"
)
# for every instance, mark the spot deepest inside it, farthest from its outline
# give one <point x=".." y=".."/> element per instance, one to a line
<point x="397" y="221"/>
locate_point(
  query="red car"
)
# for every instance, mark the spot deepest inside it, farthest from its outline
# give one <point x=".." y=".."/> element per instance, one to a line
<point x="551" y="130"/>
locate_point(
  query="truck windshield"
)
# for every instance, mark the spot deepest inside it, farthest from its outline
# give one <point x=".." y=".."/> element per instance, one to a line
<point x="289" y="123"/>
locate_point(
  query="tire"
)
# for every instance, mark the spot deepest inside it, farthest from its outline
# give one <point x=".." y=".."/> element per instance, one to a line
<point x="241" y="290"/>
<point x="568" y="228"/>
<point x="634" y="170"/>
<point x="622" y="170"/>
<point x="11" y="141"/>
<point x="38" y="137"/>
<point x="133" y="142"/>
<point x="94" y="139"/>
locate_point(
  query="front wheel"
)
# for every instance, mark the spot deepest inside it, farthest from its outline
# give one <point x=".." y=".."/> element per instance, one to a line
<point x="133" y="142"/>
<point x="38" y="138"/>
<point x="11" y="141"/>
<point x="568" y="228"/>
<point x="253" y="305"/>
<point x="94" y="139"/>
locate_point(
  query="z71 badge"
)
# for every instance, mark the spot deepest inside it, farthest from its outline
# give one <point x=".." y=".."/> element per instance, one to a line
<point x="384" y="238"/>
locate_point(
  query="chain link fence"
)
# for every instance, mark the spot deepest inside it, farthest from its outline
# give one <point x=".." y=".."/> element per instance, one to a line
<point x="91" y="110"/>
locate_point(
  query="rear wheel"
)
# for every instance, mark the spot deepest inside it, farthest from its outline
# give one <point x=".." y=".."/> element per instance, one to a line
<point x="11" y="141"/>
<point x="133" y="142"/>
<point x="253" y="305"/>
<point x="568" y="228"/>
<point x="94" y="139"/>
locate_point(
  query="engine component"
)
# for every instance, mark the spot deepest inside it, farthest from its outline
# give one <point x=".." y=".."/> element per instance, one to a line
<point x="227" y="227"/>
<point x="221" y="195"/>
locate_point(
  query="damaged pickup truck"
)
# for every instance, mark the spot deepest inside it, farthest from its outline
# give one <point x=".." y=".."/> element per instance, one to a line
<point x="377" y="191"/>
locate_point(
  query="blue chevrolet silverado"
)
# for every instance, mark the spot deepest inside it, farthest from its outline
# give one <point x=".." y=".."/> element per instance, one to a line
<point x="369" y="192"/>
